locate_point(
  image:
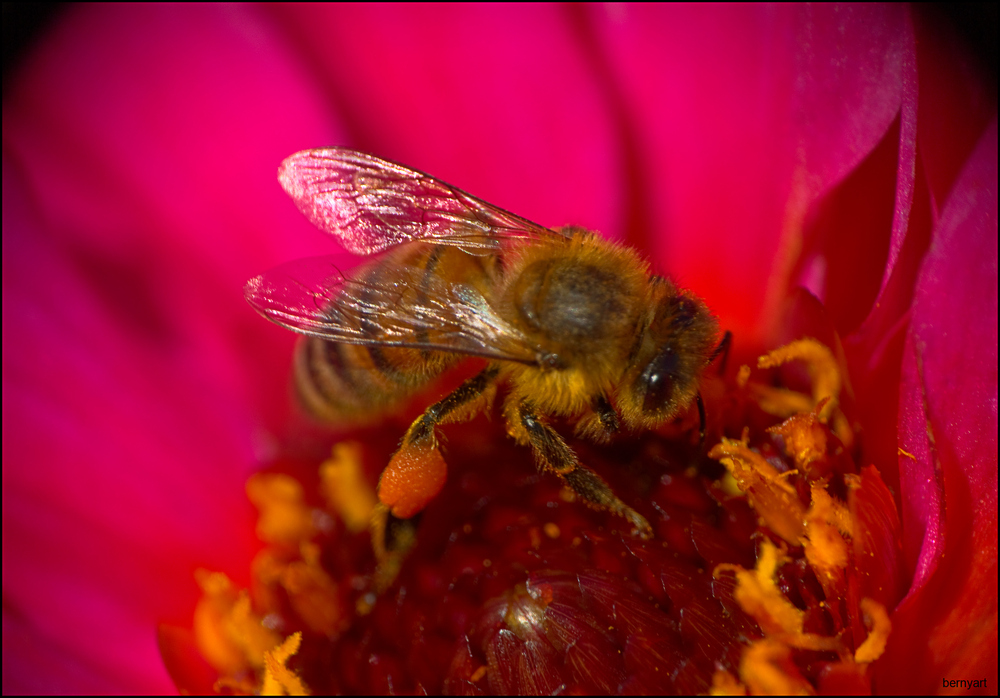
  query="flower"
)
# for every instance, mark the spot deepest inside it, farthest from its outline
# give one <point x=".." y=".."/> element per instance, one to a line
<point x="746" y="150"/>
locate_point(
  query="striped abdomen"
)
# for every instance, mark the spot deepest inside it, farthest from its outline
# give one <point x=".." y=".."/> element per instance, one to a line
<point x="395" y="299"/>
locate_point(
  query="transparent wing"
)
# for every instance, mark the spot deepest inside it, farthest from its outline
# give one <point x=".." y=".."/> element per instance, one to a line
<point x="312" y="296"/>
<point x="371" y="204"/>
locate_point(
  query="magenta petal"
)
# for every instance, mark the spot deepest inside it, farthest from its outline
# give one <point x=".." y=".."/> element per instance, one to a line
<point x="953" y="348"/>
<point x="868" y="244"/>
<point x="500" y="101"/>
<point x="122" y="472"/>
<point x="948" y="429"/>
<point x="139" y="195"/>
<point x="158" y="168"/>
<point x="746" y="115"/>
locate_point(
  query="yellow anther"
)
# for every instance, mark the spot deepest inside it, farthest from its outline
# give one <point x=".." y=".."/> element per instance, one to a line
<point x="767" y="668"/>
<point x="824" y="374"/>
<point x="313" y="593"/>
<point x="725" y="684"/>
<point x="805" y="439"/>
<point x="279" y="680"/>
<point x="877" y="620"/>
<point x="825" y="547"/>
<point x="826" y="382"/>
<point x="743" y="376"/>
<point x="284" y="516"/>
<point x="774" y="499"/>
<point x="758" y="594"/>
<point x="228" y="632"/>
<point x="343" y="484"/>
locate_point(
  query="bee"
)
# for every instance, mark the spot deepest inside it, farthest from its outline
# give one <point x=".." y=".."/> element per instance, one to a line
<point x="576" y="327"/>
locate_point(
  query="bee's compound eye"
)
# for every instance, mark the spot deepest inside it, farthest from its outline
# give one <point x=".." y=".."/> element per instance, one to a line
<point x="658" y="380"/>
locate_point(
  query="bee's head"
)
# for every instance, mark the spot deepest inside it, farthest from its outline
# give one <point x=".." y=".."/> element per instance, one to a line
<point x="661" y="380"/>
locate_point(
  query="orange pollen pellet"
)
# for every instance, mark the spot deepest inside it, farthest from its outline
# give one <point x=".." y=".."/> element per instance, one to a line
<point x="413" y="477"/>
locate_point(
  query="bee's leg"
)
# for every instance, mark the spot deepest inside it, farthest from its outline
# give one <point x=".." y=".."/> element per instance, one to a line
<point x="555" y="456"/>
<point x="417" y="472"/>
<point x="457" y="406"/>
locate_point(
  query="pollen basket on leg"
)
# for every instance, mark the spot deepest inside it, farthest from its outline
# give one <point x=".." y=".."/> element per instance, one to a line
<point x="413" y="477"/>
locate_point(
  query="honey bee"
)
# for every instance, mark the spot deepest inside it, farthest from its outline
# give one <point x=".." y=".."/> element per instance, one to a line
<point x="575" y="326"/>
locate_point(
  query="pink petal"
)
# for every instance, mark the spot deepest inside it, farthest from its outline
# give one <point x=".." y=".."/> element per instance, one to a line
<point x="746" y="116"/>
<point x="140" y="194"/>
<point x="500" y="101"/>
<point x="163" y="166"/>
<point x="112" y="493"/>
<point x="948" y="429"/>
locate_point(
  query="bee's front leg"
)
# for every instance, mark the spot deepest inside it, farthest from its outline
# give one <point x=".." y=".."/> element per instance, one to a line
<point x="555" y="456"/>
<point x="417" y="471"/>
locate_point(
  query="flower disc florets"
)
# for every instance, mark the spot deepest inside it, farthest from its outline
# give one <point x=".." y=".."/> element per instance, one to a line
<point x="771" y="567"/>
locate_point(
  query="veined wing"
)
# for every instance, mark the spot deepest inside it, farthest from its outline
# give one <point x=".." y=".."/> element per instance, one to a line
<point x="311" y="296"/>
<point x="370" y="204"/>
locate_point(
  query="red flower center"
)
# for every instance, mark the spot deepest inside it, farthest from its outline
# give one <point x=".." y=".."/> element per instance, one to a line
<point x="767" y="569"/>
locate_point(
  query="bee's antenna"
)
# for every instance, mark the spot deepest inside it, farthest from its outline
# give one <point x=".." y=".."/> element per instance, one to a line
<point x="722" y="348"/>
